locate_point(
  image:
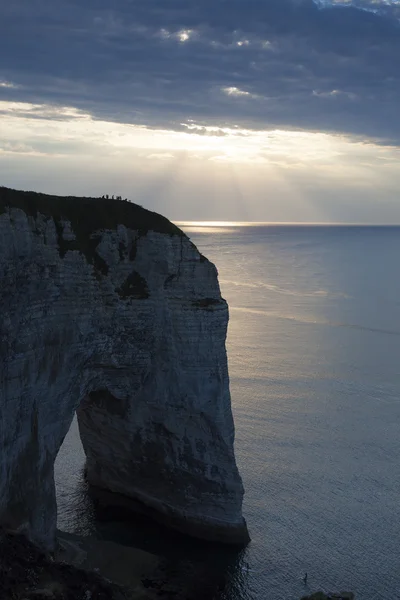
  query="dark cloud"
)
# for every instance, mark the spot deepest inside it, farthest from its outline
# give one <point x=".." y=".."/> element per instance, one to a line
<point x="259" y="64"/>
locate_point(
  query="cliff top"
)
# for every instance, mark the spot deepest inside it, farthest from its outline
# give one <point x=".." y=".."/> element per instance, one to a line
<point x="89" y="214"/>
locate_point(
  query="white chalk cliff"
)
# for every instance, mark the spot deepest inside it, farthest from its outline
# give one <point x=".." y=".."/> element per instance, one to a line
<point x="109" y="310"/>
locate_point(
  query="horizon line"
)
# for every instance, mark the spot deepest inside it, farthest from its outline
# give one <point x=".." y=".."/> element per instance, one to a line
<point x="213" y="223"/>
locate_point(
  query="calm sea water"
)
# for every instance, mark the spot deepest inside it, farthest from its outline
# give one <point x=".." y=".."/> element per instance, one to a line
<point x="314" y="357"/>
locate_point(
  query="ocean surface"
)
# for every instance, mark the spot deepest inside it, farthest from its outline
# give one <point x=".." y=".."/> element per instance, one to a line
<point x="314" y="359"/>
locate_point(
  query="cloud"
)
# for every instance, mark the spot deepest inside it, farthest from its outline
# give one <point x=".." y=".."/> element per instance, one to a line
<point x="7" y="84"/>
<point x="380" y="7"/>
<point x="160" y="156"/>
<point x="238" y="93"/>
<point x="335" y="94"/>
<point x="329" y="66"/>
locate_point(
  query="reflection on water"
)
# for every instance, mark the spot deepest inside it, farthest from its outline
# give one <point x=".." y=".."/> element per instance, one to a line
<point x="222" y="227"/>
<point x="214" y="226"/>
<point x="313" y="348"/>
<point x="204" y="229"/>
<point x="74" y="506"/>
<point x="312" y="320"/>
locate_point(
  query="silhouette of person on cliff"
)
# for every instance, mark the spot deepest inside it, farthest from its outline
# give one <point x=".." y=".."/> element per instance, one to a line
<point x="305" y="578"/>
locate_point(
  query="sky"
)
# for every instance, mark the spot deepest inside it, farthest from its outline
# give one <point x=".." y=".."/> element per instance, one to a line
<point x="249" y="110"/>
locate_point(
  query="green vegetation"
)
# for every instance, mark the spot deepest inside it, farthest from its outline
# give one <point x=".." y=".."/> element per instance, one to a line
<point x="88" y="217"/>
<point x="88" y="214"/>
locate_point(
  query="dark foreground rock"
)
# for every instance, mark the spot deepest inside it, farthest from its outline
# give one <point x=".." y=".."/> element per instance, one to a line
<point x="90" y="569"/>
<point x="28" y="574"/>
<point x="143" y="575"/>
<point x="83" y="568"/>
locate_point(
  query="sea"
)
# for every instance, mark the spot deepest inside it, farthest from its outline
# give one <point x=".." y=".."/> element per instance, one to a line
<point x="314" y="360"/>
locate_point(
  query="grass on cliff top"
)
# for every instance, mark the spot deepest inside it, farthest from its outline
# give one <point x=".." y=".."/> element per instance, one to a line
<point x="87" y="214"/>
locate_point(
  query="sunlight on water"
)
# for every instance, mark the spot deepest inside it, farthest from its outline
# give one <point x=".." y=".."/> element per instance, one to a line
<point x="214" y="226"/>
<point x="211" y="224"/>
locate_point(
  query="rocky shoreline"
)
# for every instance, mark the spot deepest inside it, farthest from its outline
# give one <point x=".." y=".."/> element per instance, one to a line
<point x="91" y="569"/>
<point x="143" y="576"/>
<point x="26" y="573"/>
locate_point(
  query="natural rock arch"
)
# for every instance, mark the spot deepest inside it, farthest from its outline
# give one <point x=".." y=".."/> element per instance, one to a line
<point x="110" y="310"/>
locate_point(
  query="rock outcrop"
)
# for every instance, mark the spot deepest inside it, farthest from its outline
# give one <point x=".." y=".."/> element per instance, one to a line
<point x="26" y="573"/>
<point x="109" y="310"/>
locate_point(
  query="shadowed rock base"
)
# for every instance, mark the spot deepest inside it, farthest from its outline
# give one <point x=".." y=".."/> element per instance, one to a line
<point x="117" y="507"/>
<point x="144" y="576"/>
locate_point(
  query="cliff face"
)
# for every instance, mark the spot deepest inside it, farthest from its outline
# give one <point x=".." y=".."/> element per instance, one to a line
<point x="109" y="310"/>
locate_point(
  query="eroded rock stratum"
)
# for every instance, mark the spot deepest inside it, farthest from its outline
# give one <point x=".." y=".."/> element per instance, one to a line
<point x="109" y="310"/>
